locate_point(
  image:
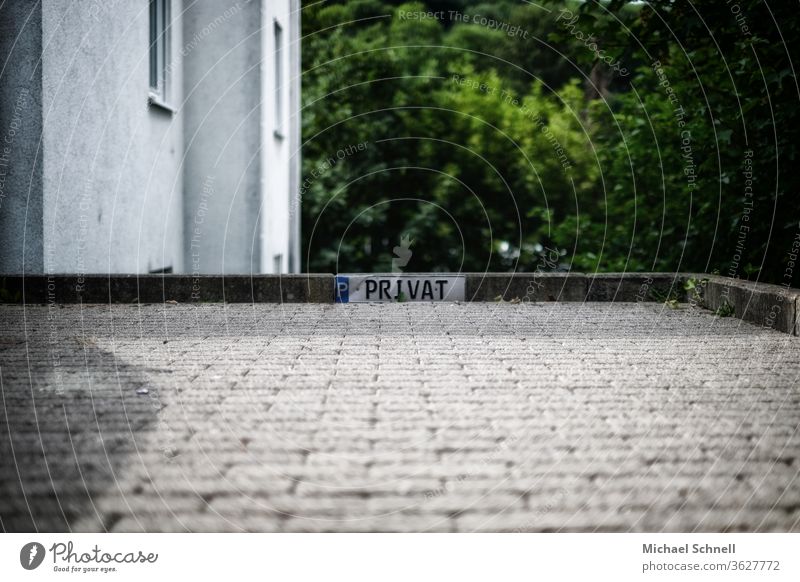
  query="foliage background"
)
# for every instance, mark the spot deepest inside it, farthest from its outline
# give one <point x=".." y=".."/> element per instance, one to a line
<point x="490" y="147"/>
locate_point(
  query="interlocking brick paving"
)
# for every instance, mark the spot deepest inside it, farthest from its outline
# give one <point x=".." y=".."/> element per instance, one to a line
<point x="403" y="417"/>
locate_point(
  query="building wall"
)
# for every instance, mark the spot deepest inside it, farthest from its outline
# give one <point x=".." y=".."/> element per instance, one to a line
<point x="278" y="126"/>
<point x="119" y="184"/>
<point x="21" y="164"/>
<point x="112" y="180"/>
<point x="238" y="172"/>
<point x="222" y="85"/>
<point x="295" y="169"/>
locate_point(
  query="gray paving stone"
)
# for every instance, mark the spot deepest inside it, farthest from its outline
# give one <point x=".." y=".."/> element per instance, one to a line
<point x="404" y="417"/>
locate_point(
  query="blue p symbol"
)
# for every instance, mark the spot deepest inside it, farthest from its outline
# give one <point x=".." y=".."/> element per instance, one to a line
<point x="342" y="289"/>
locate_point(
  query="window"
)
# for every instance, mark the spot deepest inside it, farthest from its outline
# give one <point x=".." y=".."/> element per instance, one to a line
<point x="278" y="33"/>
<point x="277" y="263"/>
<point x="159" y="51"/>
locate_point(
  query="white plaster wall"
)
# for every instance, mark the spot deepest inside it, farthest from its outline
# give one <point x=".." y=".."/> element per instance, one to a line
<point x="105" y="182"/>
<point x="237" y="169"/>
<point x="277" y="147"/>
<point x="295" y="100"/>
<point x="222" y="87"/>
<point x="112" y="181"/>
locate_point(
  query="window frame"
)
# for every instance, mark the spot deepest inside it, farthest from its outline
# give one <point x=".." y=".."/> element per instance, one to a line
<point x="160" y="14"/>
<point x="278" y="77"/>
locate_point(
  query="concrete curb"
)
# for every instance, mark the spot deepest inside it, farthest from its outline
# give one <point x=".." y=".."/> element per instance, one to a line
<point x="772" y="306"/>
<point x="310" y="288"/>
<point x="525" y="286"/>
<point x="636" y="287"/>
<point x="576" y="286"/>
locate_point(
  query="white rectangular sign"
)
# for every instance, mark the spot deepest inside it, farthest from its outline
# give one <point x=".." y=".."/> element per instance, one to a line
<point x="399" y="287"/>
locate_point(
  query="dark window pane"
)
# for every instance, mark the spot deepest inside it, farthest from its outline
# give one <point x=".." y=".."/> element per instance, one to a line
<point x="278" y="77"/>
<point x="153" y="44"/>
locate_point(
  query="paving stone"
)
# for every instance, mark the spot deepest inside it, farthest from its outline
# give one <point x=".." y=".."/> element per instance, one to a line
<point x="402" y="417"/>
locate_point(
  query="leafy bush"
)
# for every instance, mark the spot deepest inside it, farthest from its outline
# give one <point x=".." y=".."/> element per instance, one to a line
<point x="618" y="142"/>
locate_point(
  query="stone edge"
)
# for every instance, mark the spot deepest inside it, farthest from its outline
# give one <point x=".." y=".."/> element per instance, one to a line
<point x="310" y="288"/>
<point x="766" y="305"/>
<point x="773" y="306"/>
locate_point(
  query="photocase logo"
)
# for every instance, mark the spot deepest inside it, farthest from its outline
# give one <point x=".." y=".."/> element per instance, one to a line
<point x="31" y="555"/>
<point x="402" y="254"/>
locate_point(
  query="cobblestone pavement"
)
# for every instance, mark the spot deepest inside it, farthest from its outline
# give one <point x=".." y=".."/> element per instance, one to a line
<point x="404" y="417"/>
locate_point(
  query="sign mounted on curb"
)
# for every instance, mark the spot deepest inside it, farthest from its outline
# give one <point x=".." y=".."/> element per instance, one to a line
<point x="398" y="288"/>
